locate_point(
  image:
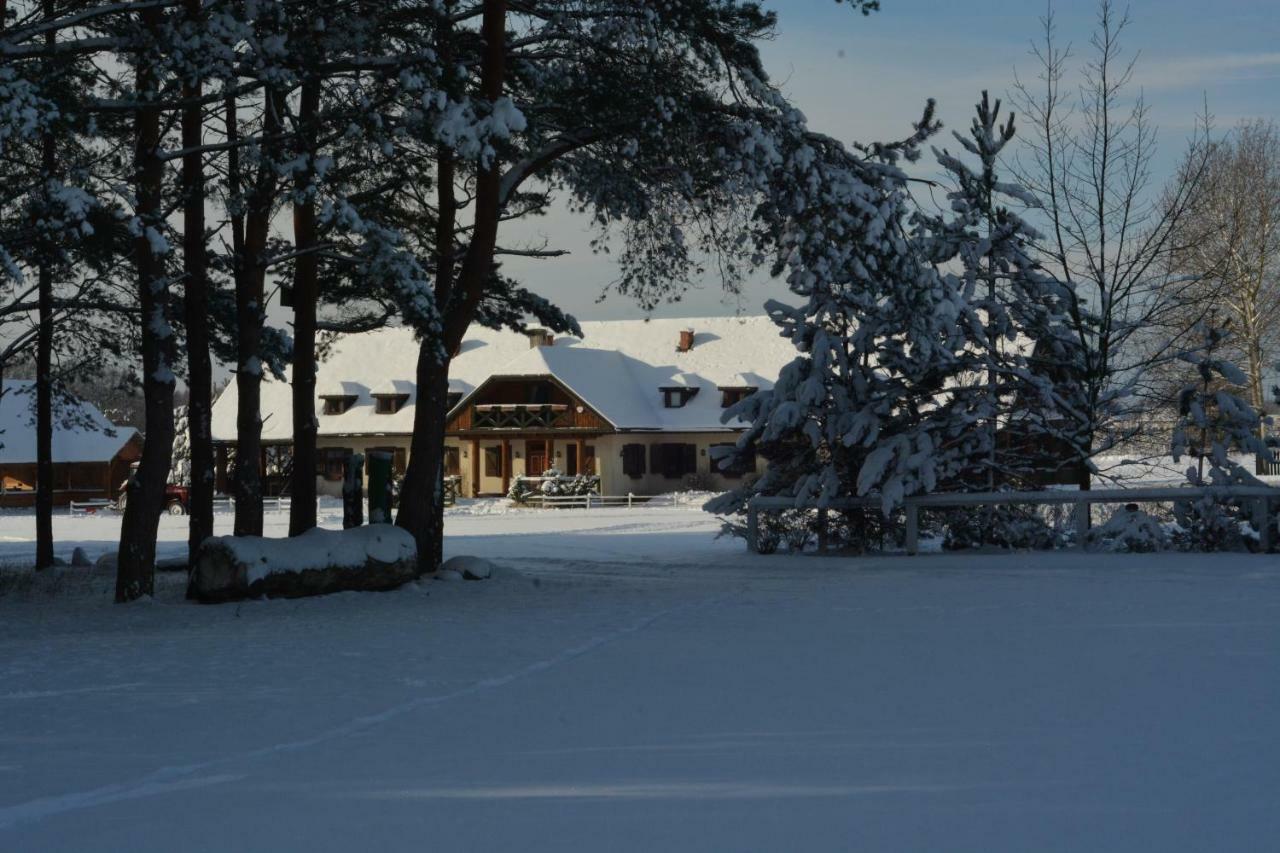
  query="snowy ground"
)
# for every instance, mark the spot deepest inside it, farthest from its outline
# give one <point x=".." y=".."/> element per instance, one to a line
<point x="628" y="683"/>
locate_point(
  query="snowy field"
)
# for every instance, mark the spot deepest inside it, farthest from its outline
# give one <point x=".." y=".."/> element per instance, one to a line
<point x="628" y="683"/>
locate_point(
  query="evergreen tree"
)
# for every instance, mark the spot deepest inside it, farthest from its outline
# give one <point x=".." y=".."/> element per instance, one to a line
<point x="879" y="334"/>
<point x="1213" y="421"/>
<point x="1018" y="374"/>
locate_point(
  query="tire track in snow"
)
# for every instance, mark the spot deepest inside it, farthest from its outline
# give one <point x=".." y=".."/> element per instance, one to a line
<point x="185" y="776"/>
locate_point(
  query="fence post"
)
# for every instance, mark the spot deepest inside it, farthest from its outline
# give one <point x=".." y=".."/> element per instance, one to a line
<point x="588" y="496"/>
<point x="753" y="527"/>
<point x="822" y="530"/>
<point x="1082" y="523"/>
<point x="629" y="496"/>
<point x="913" y="529"/>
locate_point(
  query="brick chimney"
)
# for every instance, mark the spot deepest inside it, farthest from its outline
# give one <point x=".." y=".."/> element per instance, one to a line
<point x="539" y="337"/>
<point x="686" y="340"/>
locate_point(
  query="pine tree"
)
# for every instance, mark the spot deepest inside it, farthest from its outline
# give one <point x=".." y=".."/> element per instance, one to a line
<point x="1023" y="389"/>
<point x="54" y="228"/>
<point x="858" y="411"/>
<point x="1213" y="421"/>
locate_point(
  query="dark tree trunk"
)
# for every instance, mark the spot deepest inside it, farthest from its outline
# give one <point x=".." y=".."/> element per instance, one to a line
<point x="44" y="420"/>
<point x="302" y="507"/>
<point x="250" y="295"/>
<point x="135" y="575"/>
<point x="199" y="366"/>
<point x="44" y="363"/>
<point x="421" y="501"/>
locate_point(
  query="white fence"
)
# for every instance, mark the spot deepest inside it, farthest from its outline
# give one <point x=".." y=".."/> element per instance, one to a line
<point x="628" y="501"/>
<point x="1263" y="501"/>
<point x="89" y="507"/>
<point x="228" y="504"/>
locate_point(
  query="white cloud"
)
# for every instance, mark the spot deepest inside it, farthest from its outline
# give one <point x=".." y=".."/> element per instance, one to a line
<point x="1201" y="71"/>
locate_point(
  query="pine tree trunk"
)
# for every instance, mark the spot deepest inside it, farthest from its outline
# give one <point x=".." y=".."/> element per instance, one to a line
<point x="135" y="574"/>
<point x="44" y="365"/>
<point x="421" y="493"/>
<point x="302" y="507"/>
<point x="421" y="502"/>
<point x="199" y="364"/>
<point x="250" y="296"/>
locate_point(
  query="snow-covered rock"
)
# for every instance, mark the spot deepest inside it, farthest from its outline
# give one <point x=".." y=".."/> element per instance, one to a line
<point x="107" y="562"/>
<point x="373" y="557"/>
<point x="471" y="568"/>
<point x="448" y="575"/>
<point x="80" y="559"/>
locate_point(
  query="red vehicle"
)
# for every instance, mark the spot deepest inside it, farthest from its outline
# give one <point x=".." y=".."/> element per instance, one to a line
<point x="177" y="499"/>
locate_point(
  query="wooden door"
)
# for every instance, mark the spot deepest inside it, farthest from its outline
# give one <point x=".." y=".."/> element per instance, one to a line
<point x="535" y="454"/>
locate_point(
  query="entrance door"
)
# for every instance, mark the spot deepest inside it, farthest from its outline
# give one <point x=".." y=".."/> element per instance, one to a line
<point x="535" y="454"/>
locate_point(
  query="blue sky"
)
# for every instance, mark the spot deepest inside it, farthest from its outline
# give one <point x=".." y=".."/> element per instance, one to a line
<point x="862" y="78"/>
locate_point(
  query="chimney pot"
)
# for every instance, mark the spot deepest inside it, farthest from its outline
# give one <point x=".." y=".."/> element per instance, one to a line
<point x="686" y="340"/>
<point x="540" y="337"/>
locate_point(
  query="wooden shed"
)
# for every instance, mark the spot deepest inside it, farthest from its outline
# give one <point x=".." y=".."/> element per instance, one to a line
<point x="91" y="456"/>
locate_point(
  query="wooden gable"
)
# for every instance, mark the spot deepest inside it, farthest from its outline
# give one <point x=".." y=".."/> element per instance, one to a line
<point x="527" y="404"/>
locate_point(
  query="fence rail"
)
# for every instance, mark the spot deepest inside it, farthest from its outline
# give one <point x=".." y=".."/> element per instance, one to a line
<point x="89" y="507"/>
<point x="1261" y="499"/>
<point x="228" y="504"/>
<point x="628" y="501"/>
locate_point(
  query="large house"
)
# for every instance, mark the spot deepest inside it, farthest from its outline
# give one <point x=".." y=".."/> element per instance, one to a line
<point x="91" y="456"/>
<point x="636" y="402"/>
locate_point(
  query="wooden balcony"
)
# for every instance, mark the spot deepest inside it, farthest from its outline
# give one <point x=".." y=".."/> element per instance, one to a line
<point x="518" y="416"/>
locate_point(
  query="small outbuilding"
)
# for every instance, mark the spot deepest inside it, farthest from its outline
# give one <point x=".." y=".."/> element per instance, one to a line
<point x="91" y="455"/>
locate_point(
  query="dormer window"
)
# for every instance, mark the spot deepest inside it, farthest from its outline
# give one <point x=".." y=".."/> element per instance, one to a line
<point x="675" y="397"/>
<point x="337" y="404"/>
<point x="734" y="396"/>
<point x="389" y="404"/>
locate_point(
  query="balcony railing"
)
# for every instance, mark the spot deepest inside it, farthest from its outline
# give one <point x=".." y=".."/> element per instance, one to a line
<point x="520" y="416"/>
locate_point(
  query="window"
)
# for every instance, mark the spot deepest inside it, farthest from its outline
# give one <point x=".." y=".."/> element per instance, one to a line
<point x="331" y="462"/>
<point x="673" y="461"/>
<point x="540" y="393"/>
<point x="452" y="462"/>
<point x="585" y="465"/>
<point x="676" y="398"/>
<point x="336" y="404"/>
<point x="493" y="461"/>
<point x="733" y="396"/>
<point x="398" y="455"/>
<point x="389" y="404"/>
<point x="746" y="463"/>
<point x="633" y="460"/>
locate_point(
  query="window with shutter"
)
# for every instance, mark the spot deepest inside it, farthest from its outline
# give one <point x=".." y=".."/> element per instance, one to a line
<point x="633" y="460"/>
<point x="493" y="461"/>
<point x="673" y="461"/>
<point x="331" y="462"/>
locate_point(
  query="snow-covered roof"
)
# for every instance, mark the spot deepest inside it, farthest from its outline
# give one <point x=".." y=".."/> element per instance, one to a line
<point x="81" y="433"/>
<point x="617" y="368"/>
